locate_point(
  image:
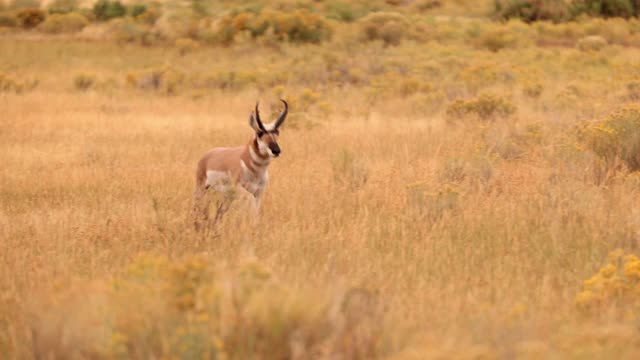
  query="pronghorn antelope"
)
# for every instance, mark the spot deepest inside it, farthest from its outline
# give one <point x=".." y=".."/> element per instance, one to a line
<point x="222" y="168"/>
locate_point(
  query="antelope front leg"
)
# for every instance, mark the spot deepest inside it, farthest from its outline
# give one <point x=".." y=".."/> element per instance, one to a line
<point x="255" y="209"/>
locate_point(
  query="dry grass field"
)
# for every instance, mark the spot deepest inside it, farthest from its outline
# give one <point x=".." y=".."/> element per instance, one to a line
<point x="468" y="193"/>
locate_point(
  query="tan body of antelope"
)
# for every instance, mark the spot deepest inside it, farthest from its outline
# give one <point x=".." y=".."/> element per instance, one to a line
<point x="224" y="168"/>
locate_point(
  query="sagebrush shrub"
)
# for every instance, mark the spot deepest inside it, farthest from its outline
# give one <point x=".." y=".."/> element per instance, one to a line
<point x="186" y="45"/>
<point x="591" y="43"/>
<point x="30" y="18"/>
<point x="389" y="27"/>
<point x="485" y="107"/>
<point x="15" y="85"/>
<point x="83" y="82"/>
<point x="295" y="26"/>
<point x="531" y="10"/>
<point x="8" y="20"/>
<point x="148" y="17"/>
<point x="341" y="11"/>
<point x="62" y="6"/>
<point x="137" y="10"/>
<point x="616" y="137"/>
<point x="128" y="30"/>
<point x="498" y="39"/>
<point x="64" y="23"/>
<point x="605" y="8"/>
<point x="633" y="90"/>
<point x="533" y="89"/>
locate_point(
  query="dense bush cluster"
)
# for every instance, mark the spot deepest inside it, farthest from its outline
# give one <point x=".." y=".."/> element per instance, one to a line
<point x="295" y="26"/>
<point x="66" y="16"/>
<point x="559" y="10"/>
<point x="616" y="137"/>
<point x="30" y="18"/>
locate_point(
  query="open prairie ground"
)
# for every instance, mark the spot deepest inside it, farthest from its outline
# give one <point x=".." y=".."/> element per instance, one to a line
<point x="440" y="198"/>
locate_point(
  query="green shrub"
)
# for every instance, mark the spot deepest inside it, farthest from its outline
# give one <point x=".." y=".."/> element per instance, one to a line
<point x="425" y="5"/>
<point x="137" y="10"/>
<point x="389" y="27"/>
<point x="341" y="11"/>
<point x="8" y="20"/>
<point x="485" y="107"/>
<point x="633" y="90"/>
<point x="498" y="39"/>
<point x="84" y="82"/>
<point x="592" y="43"/>
<point x="127" y="30"/>
<point x="531" y="10"/>
<point x="186" y="45"/>
<point x="64" y="23"/>
<point x="11" y="84"/>
<point x="616" y="137"/>
<point x="605" y="8"/>
<point x="62" y="6"/>
<point x="105" y="10"/>
<point x="532" y="89"/>
<point x="30" y="18"/>
<point x="149" y="17"/>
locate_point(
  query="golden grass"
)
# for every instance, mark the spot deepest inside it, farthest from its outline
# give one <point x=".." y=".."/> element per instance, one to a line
<point x="472" y="238"/>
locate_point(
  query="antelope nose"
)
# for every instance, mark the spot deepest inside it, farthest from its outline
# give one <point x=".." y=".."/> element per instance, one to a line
<point x="276" y="152"/>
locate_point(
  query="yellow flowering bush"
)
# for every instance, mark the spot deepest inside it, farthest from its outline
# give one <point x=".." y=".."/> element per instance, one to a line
<point x="295" y="26"/>
<point x="617" y="283"/>
<point x="10" y="83"/>
<point x="616" y="137"/>
<point x="195" y="309"/>
<point x="486" y="107"/>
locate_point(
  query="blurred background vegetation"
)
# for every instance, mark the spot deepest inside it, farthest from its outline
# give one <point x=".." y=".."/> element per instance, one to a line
<point x="477" y="164"/>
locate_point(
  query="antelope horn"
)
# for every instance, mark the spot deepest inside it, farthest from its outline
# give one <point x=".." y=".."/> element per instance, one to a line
<point x="258" y="118"/>
<point x="283" y="115"/>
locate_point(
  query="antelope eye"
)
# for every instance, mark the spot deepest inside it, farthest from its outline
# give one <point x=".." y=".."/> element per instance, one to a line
<point x="260" y="133"/>
<point x="277" y="132"/>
